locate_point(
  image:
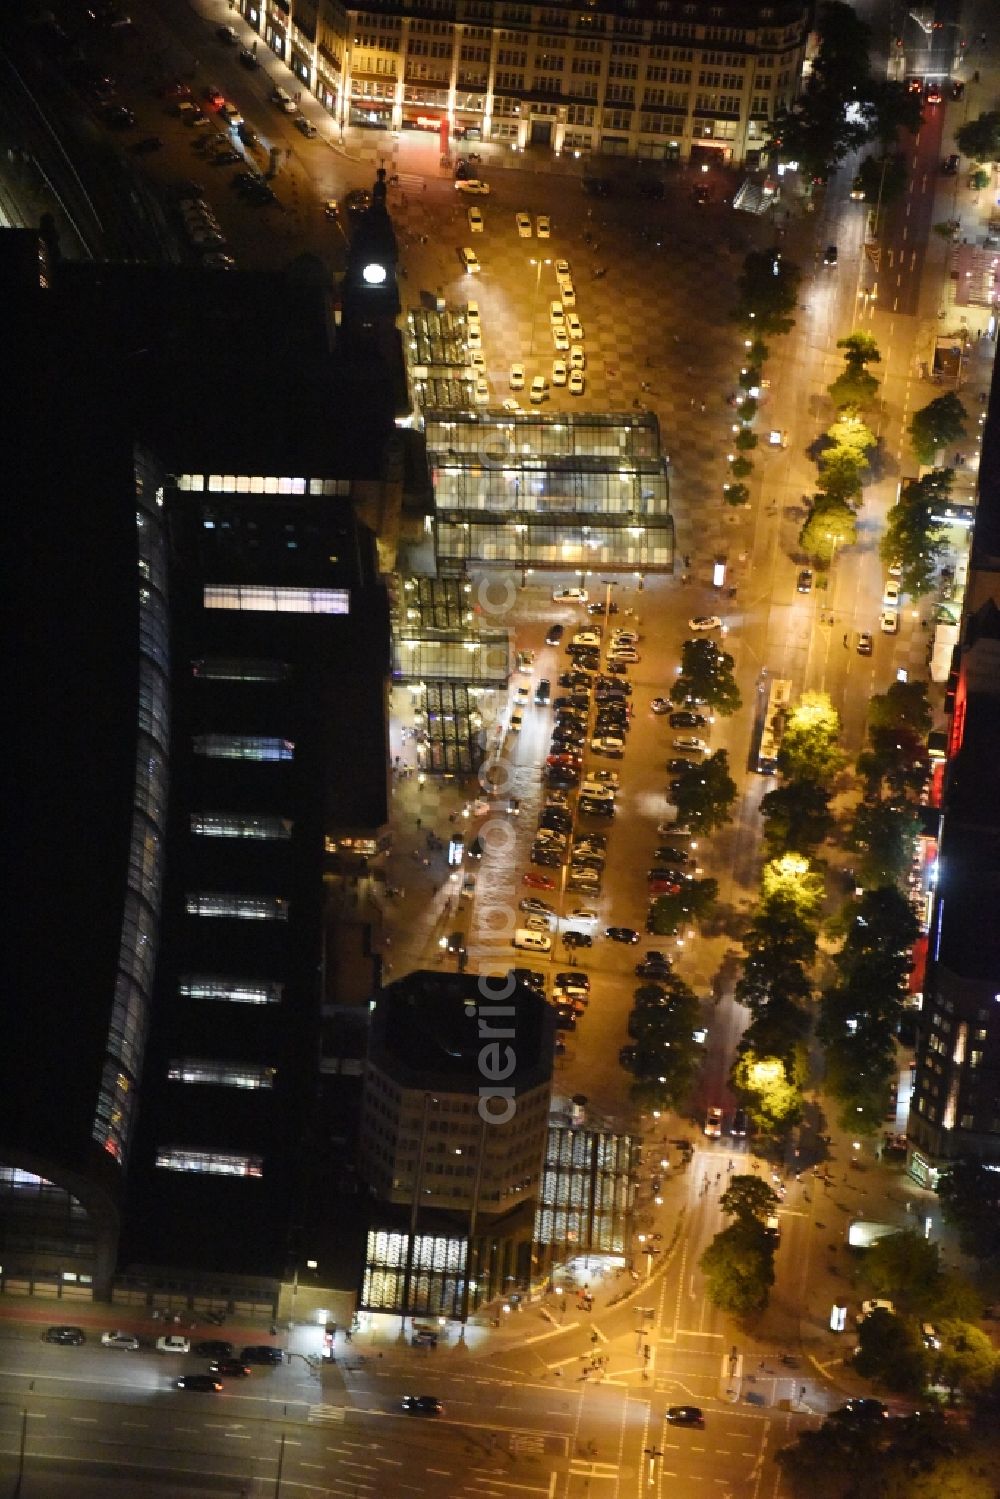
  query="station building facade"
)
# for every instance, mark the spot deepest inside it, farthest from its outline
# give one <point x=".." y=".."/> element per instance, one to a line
<point x="660" y="80"/>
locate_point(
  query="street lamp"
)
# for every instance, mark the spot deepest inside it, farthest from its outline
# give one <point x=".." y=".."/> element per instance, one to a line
<point x="534" y="301"/>
<point x="652" y="1453"/>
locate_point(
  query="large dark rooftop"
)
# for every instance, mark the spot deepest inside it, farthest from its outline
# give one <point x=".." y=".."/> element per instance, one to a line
<point x="428" y="1030"/>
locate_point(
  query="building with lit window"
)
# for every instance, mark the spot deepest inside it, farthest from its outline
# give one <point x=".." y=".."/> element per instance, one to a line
<point x="199" y="666"/>
<point x="955" y="1104"/>
<point x="568" y="491"/>
<point x="453" y="1133"/>
<point x="659" y="80"/>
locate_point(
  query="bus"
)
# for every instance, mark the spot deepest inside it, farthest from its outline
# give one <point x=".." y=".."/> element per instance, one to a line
<point x="771" y="723"/>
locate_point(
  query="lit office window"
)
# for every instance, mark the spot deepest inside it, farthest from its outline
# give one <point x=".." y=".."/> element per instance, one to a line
<point x="231" y="669"/>
<point x="231" y="990"/>
<point x="266" y="599"/>
<point x="242" y="907"/>
<point x="233" y="825"/>
<point x="209" y="1163"/>
<point x="220" y="1074"/>
<point x="243" y="747"/>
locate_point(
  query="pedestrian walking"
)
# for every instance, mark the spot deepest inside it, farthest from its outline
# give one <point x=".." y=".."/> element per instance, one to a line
<point x="703" y="405"/>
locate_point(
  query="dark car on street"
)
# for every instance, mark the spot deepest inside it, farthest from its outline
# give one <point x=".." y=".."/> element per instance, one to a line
<point x="422" y="1405"/>
<point x="68" y="1336"/>
<point x="262" y="1353"/>
<point x="685" y="1415"/>
<point x="206" y="1384"/>
<point x="214" y="1348"/>
<point x="578" y="939"/>
<point x="622" y="934"/>
<point x="555" y="634"/>
<point x="229" y="1368"/>
<point x="862" y="1408"/>
<point x="687" y="720"/>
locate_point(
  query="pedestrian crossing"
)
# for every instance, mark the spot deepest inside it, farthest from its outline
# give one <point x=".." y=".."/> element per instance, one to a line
<point x="331" y="1413"/>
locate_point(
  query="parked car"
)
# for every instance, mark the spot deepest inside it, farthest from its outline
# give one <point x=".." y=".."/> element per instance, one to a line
<point x="622" y="934"/>
<point x="124" y="1340"/>
<point x="713" y="1123"/>
<point x="172" y="1342"/>
<point x="68" y="1336"/>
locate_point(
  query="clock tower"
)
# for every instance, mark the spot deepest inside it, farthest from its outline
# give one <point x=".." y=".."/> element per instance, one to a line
<point x="370" y="294"/>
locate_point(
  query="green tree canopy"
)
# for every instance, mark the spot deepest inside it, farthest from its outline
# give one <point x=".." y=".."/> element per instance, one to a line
<point x="705" y="795"/>
<point x="707" y="674"/>
<point x="842" y="105"/>
<point x="738" y="1266"/>
<point x="912" y="538"/>
<point x="797" y="817"/>
<point x="749" y="1197"/>
<point x="979" y="139"/>
<point x="891" y="1351"/>
<point x="768" y="291"/>
<point x="667" y="1055"/>
<point x="905" y="1267"/>
<point x="883" y="835"/>
<point x="966" y="1360"/>
<point x="853" y="388"/>
<point x="809" y="749"/>
<point x="970" y="1200"/>
<point x="897" y="759"/>
<point x="883" y="178"/>
<point x="860" y="349"/>
<point x="939" y="424"/>
<point x="903" y="705"/>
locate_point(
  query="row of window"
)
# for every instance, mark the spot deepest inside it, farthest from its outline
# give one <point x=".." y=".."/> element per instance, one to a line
<point x="267" y="599"/>
<point x="259" y="747"/>
<point x="221" y="1074"/>
<point x="259" y="484"/>
<point x="241" y="907"/>
<point x="246" y="669"/>
<point x="234" y="825"/>
<point x="209" y="1163"/>
<point x="230" y="990"/>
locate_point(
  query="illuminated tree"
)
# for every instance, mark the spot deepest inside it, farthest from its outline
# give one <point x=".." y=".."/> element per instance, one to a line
<point x="831" y="523"/>
<point x="809" y="749"/>
<point x="788" y="881"/>
<point x="767" y="1089"/>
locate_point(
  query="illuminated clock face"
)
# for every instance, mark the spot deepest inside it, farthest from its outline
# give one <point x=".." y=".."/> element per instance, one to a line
<point x="374" y="274"/>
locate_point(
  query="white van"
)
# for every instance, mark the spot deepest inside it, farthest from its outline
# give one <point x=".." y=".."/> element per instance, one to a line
<point x="284" y="100"/>
<point x="530" y="941"/>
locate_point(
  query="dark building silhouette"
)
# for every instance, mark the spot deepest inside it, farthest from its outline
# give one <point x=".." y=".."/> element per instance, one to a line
<point x="203" y="494"/>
